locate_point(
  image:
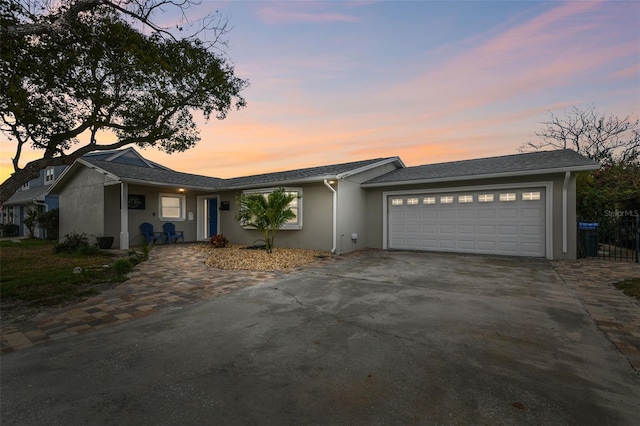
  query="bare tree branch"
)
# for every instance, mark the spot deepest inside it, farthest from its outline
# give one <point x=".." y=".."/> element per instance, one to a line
<point x="604" y="138"/>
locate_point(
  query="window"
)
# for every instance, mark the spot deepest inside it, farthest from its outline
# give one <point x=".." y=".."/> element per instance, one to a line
<point x="508" y="196"/>
<point x="465" y="198"/>
<point x="295" y="205"/>
<point x="485" y="198"/>
<point x="531" y="196"/>
<point x="49" y="175"/>
<point x="413" y="201"/>
<point x="447" y="199"/>
<point x="397" y="201"/>
<point x="25" y="186"/>
<point x="172" y="206"/>
<point x="429" y="200"/>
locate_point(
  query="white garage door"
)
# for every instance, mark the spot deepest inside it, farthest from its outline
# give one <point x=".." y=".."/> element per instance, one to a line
<point x="506" y="222"/>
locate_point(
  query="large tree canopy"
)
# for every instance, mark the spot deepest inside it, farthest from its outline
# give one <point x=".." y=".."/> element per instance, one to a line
<point x="72" y="72"/>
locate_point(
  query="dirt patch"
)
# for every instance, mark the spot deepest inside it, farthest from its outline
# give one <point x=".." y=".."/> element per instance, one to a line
<point x="237" y="257"/>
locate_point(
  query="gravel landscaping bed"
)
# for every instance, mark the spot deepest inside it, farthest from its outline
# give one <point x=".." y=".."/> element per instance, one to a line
<point x="237" y="257"/>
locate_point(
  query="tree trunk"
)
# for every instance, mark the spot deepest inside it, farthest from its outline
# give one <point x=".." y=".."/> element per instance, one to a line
<point x="28" y="172"/>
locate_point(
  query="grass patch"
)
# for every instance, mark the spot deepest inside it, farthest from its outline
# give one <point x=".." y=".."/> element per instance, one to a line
<point x="33" y="272"/>
<point x="630" y="287"/>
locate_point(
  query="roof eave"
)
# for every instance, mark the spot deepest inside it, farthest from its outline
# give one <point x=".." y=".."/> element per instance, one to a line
<point x="165" y="184"/>
<point x="486" y="176"/>
<point x="371" y="166"/>
<point x="287" y="182"/>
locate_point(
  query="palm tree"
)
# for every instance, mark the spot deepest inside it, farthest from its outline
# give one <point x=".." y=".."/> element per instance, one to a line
<point x="266" y="213"/>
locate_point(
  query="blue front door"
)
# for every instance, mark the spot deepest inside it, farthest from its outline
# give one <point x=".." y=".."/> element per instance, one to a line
<point x="212" y="208"/>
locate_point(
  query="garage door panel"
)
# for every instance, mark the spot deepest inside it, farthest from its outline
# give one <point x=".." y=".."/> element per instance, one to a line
<point x="461" y="222"/>
<point x="507" y="247"/>
<point x="446" y="229"/>
<point x="507" y="213"/>
<point x="508" y="229"/>
<point x="466" y="245"/>
<point x="397" y="228"/>
<point x="466" y="214"/>
<point x="446" y="244"/>
<point x="486" y="229"/>
<point x="413" y="228"/>
<point x="430" y="214"/>
<point x="429" y="244"/>
<point x="429" y="229"/>
<point x="532" y="230"/>
<point x="466" y="229"/>
<point x="487" y="246"/>
<point x="486" y="213"/>
<point x="532" y="213"/>
<point x="446" y="214"/>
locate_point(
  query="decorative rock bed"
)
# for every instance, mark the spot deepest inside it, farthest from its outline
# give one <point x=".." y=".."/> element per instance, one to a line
<point x="234" y="257"/>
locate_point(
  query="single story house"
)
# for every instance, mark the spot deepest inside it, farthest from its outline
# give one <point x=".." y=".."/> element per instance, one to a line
<point x="522" y="205"/>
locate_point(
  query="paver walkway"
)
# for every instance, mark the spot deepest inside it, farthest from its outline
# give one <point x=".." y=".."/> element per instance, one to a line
<point x="616" y="314"/>
<point x="173" y="276"/>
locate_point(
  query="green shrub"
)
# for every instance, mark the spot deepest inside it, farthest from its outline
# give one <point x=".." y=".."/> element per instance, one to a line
<point x="123" y="266"/>
<point x="73" y="243"/>
<point x="50" y="221"/>
<point x="30" y="221"/>
<point x="10" y="229"/>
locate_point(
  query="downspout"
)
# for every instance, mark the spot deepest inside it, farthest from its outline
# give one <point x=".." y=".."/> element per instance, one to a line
<point x="565" y="212"/>
<point x="41" y="203"/>
<point x="335" y="214"/>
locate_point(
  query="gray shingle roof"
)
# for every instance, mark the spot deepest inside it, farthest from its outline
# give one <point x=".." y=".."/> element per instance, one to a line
<point x="27" y="196"/>
<point x="128" y="172"/>
<point x="528" y="163"/>
<point x="307" y="174"/>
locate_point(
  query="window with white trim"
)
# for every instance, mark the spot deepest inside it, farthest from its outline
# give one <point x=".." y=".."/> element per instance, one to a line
<point x="49" y="176"/>
<point x="429" y="200"/>
<point x="295" y="205"/>
<point x="397" y="201"/>
<point x="485" y="198"/>
<point x="413" y="201"/>
<point x="507" y="196"/>
<point x="447" y="199"/>
<point x="172" y="207"/>
<point x="465" y="199"/>
<point x="531" y="196"/>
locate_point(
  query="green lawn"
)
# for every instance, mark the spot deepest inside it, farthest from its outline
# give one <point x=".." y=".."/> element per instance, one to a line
<point x="30" y="270"/>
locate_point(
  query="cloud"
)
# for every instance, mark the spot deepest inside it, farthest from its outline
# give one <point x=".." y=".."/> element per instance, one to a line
<point x="559" y="48"/>
<point x="283" y="14"/>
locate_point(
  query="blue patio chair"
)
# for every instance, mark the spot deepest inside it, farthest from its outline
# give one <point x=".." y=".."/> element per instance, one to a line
<point x="171" y="233"/>
<point x="150" y="237"/>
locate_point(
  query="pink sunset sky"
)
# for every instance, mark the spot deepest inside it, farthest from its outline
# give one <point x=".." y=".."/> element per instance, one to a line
<point x="428" y="81"/>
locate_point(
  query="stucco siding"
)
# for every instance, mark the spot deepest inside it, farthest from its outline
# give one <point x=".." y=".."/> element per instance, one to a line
<point x="83" y="205"/>
<point x="352" y="209"/>
<point x="316" y="221"/>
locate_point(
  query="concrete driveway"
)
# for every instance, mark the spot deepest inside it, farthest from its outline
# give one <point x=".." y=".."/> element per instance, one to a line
<point x="376" y="338"/>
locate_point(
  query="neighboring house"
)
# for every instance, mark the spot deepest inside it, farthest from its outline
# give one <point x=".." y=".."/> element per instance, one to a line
<point x="32" y="196"/>
<point x="520" y="204"/>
